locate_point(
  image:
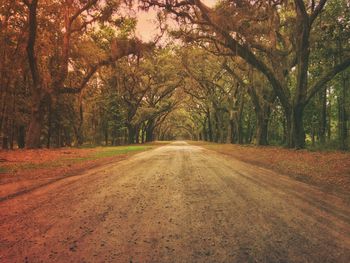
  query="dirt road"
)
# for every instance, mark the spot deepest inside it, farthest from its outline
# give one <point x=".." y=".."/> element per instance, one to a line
<point x="177" y="203"/>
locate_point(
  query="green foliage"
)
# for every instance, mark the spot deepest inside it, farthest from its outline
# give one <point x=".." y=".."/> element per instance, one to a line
<point x="103" y="36"/>
<point x="113" y="151"/>
<point x="3" y="170"/>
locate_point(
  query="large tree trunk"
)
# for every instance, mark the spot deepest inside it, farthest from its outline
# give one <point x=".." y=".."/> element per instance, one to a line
<point x="35" y="127"/>
<point x="150" y="131"/>
<point x="295" y="128"/>
<point x="131" y="134"/>
<point x="261" y="129"/>
<point x="37" y="114"/>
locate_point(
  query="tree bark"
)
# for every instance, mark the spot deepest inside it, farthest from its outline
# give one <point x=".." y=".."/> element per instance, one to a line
<point x="37" y="114"/>
<point x="210" y="129"/>
<point x="150" y="131"/>
<point x="261" y="129"/>
<point x="323" y="117"/>
<point x="297" y="133"/>
<point x="21" y="136"/>
<point x="49" y="127"/>
<point x="131" y="134"/>
<point x="342" y="99"/>
<point x="342" y="122"/>
<point x="33" y="139"/>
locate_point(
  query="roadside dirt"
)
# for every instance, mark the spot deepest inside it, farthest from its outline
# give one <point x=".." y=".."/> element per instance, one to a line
<point x="328" y="170"/>
<point x="177" y="203"/>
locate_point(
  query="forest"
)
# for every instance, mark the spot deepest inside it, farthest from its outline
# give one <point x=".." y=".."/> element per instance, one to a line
<point x="263" y="72"/>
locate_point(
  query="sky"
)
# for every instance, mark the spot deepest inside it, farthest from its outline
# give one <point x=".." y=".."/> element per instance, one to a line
<point x="147" y="25"/>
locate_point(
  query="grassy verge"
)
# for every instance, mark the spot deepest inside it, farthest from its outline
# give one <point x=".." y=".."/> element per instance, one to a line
<point x="329" y="170"/>
<point x="3" y="170"/>
<point x="112" y="151"/>
<point x="21" y="170"/>
<point x="17" y="161"/>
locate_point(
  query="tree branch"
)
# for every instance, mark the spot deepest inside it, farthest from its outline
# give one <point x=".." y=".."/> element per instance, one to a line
<point x="318" y="85"/>
<point x="81" y="10"/>
<point x="32" y="20"/>
<point x="301" y="6"/>
<point x="317" y="10"/>
<point x="248" y="56"/>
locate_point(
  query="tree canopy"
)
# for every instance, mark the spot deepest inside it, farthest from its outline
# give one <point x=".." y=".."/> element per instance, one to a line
<point x="74" y="72"/>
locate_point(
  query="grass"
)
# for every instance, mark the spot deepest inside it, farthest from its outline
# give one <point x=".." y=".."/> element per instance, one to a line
<point x="60" y="158"/>
<point x="3" y="170"/>
<point x="112" y="151"/>
<point x="28" y="169"/>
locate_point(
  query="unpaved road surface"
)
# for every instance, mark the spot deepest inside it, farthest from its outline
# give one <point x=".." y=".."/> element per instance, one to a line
<point x="177" y="203"/>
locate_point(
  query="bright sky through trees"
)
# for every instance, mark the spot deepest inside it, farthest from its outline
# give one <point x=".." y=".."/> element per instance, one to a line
<point x="147" y="26"/>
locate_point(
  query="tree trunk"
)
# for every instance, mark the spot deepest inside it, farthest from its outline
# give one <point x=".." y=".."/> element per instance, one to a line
<point x="342" y="122"/>
<point x="232" y="131"/>
<point x="295" y="128"/>
<point x="342" y="99"/>
<point x="36" y="118"/>
<point x="150" y="131"/>
<point x="323" y="117"/>
<point x="240" y="120"/>
<point x="58" y="135"/>
<point x="210" y="128"/>
<point x="261" y="129"/>
<point x="217" y="127"/>
<point x="137" y="135"/>
<point x="106" y="136"/>
<point x="35" y="127"/>
<point x="229" y="132"/>
<point x="49" y="129"/>
<point x="249" y="128"/>
<point x="5" y="143"/>
<point x="284" y="135"/>
<point x="205" y="133"/>
<point x="21" y="137"/>
<point x="329" y="124"/>
<point x="143" y="134"/>
<point x="131" y="134"/>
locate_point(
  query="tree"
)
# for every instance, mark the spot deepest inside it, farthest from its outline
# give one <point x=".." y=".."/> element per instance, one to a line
<point x="273" y="37"/>
<point x="49" y="80"/>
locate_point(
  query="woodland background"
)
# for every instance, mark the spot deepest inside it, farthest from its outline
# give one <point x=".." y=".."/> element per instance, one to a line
<point x="73" y="73"/>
